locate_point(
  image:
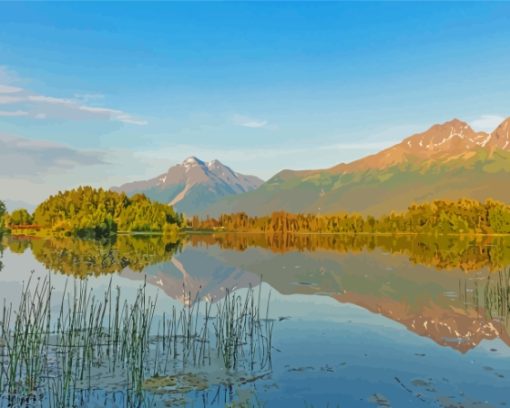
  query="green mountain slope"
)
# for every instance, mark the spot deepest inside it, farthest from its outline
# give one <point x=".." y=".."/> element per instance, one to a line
<point x="448" y="161"/>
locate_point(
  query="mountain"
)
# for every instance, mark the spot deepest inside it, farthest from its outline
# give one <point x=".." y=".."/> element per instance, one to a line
<point x="447" y="161"/>
<point x="193" y="185"/>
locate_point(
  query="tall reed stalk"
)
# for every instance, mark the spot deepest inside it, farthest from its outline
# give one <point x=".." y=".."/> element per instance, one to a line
<point x="104" y="344"/>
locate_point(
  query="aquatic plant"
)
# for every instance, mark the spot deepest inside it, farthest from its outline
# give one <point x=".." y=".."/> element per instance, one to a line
<point x="83" y="346"/>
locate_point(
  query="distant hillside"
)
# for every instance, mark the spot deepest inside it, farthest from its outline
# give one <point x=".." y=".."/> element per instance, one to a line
<point x="193" y="185"/>
<point x="448" y="161"/>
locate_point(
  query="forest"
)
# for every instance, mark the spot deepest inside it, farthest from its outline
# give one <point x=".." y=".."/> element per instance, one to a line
<point x="463" y="216"/>
<point x="90" y="212"/>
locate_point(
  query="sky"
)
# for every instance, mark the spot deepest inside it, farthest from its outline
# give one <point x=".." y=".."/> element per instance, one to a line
<point x="106" y="93"/>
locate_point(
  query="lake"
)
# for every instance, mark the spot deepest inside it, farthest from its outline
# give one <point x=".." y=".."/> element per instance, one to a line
<point x="353" y="321"/>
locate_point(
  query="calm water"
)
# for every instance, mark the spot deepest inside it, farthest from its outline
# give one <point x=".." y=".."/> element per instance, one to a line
<point x="359" y="321"/>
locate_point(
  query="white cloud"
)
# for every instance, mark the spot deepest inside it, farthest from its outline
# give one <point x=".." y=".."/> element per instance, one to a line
<point x="22" y="158"/>
<point x="30" y="170"/>
<point x="248" y="122"/>
<point x="50" y="100"/>
<point x="486" y="123"/>
<point x="50" y="107"/>
<point x="13" y="113"/>
<point x="130" y="120"/>
<point x="86" y="97"/>
<point x="114" y="114"/>
<point x="9" y="99"/>
<point x="7" y="89"/>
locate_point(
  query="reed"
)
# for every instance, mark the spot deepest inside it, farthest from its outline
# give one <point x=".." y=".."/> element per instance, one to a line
<point x="84" y="347"/>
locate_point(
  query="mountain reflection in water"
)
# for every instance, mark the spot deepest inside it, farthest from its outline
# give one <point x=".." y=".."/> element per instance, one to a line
<point x="454" y="290"/>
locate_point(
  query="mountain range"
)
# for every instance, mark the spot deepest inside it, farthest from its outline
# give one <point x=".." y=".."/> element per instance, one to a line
<point x="193" y="185"/>
<point x="447" y="161"/>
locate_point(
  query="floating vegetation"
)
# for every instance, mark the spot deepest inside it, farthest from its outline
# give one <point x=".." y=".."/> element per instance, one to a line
<point x="180" y="383"/>
<point x="83" y="348"/>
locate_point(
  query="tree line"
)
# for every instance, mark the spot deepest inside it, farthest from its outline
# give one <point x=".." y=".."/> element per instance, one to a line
<point x="86" y="211"/>
<point x="463" y="216"/>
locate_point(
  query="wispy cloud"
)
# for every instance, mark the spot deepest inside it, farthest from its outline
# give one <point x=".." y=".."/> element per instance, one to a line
<point x="86" y="97"/>
<point x="486" y="123"/>
<point x="39" y="106"/>
<point x="10" y="99"/>
<point x="7" y="89"/>
<point x="13" y="113"/>
<point x="21" y="157"/>
<point x="114" y="114"/>
<point x="49" y="100"/>
<point x="248" y="122"/>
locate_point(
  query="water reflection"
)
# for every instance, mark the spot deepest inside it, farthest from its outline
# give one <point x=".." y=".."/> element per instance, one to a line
<point x="359" y="320"/>
<point x="82" y="257"/>
<point x="452" y="290"/>
<point x="442" y="252"/>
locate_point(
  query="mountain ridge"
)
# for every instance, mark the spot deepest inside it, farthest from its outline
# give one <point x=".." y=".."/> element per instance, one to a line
<point x="193" y="184"/>
<point x="446" y="161"/>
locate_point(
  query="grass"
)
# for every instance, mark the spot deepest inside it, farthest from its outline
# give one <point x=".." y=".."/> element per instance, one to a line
<point x="59" y="352"/>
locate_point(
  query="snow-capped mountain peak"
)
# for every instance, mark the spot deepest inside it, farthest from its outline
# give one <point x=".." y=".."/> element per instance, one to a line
<point x="193" y="184"/>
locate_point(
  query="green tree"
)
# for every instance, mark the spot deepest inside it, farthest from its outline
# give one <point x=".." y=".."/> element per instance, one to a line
<point x="499" y="216"/>
<point x="89" y="212"/>
<point x="3" y="212"/>
<point x="20" y="217"/>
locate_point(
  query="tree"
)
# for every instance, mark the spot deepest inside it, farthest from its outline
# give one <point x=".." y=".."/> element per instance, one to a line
<point x="86" y="211"/>
<point x="20" y="217"/>
<point x="3" y="212"/>
<point x="464" y="216"/>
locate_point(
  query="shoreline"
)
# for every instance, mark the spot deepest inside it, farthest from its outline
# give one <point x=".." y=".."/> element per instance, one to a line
<point x="26" y="233"/>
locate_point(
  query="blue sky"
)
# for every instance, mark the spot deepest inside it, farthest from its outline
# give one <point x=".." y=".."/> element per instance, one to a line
<point x="103" y="93"/>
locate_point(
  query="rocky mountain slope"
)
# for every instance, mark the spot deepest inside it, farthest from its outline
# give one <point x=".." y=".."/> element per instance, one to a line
<point x="193" y="185"/>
